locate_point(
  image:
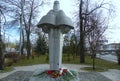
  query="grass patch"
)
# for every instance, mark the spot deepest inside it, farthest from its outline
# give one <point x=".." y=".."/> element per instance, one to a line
<point x="102" y="63"/>
<point x="6" y="69"/>
<point x="30" y="61"/>
<point x="68" y="59"/>
<point x="98" y="62"/>
<point x="97" y="69"/>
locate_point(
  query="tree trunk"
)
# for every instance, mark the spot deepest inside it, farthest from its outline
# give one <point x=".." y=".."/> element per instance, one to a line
<point x="22" y="48"/>
<point x="82" y="55"/>
<point x="21" y="35"/>
<point x="1" y="63"/>
<point x="1" y="53"/>
<point x="93" y="57"/>
<point x="28" y="46"/>
<point x="1" y="59"/>
<point x="82" y="51"/>
<point x="118" y="60"/>
<point x="1" y="49"/>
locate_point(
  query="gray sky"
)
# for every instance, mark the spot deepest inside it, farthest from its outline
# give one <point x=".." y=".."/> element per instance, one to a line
<point x="112" y="34"/>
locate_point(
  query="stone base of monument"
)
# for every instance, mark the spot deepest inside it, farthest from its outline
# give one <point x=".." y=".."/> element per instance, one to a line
<point x="55" y="75"/>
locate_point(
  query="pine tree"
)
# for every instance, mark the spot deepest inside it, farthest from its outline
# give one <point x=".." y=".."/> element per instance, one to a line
<point x="41" y="47"/>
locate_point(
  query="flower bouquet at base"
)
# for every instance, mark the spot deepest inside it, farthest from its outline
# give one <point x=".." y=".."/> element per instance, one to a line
<point x="63" y="74"/>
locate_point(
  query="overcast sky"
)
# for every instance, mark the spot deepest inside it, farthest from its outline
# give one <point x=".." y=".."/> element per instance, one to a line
<point x="112" y="34"/>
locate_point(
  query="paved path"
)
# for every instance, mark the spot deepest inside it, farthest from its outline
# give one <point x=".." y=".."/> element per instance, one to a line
<point x="112" y="74"/>
<point x="108" y="57"/>
<point x="40" y="66"/>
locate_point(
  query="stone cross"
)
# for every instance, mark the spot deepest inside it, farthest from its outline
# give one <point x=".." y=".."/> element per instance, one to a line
<point x="55" y="23"/>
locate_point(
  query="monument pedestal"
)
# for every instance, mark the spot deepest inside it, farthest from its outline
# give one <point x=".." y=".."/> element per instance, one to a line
<point x="41" y="75"/>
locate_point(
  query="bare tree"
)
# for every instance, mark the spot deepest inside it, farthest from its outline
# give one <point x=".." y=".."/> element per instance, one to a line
<point x="99" y="26"/>
<point x="15" y="12"/>
<point x="85" y="10"/>
<point x="1" y="42"/>
<point x="27" y="12"/>
<point x="31" y="6"/>
<point x="81" y="44"/>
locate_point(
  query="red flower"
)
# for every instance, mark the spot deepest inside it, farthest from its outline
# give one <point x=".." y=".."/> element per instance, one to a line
<point x="64" y="70"/>
<point x="56" y="73"/>
<point x="48" y="72"/>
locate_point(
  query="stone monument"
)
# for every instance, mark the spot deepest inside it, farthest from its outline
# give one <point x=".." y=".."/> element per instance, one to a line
<point x="55" y="23"/>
